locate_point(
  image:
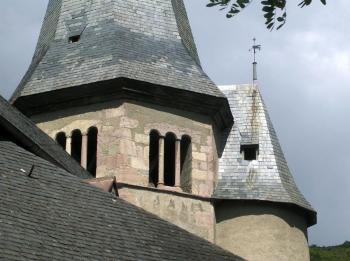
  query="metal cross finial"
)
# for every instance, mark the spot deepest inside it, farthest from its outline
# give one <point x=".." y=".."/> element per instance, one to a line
<point x="255" y="48"/>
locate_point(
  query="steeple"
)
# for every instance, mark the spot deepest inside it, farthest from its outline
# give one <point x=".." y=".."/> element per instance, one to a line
<point x="103" y="48"/>
<point x="253" y="166"/>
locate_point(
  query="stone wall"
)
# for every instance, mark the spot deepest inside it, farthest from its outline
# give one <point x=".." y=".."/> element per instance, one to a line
<point x="190" y="213"/>
<point x="123" y="138"/>
<point x="262" y="231"/>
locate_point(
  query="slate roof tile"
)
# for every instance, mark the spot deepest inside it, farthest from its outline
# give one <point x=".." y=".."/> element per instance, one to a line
<point x="267" y="178"/>
<point x="32" y="138"/>
<point x="54" y="215"/>
<point x="145" y="40"/>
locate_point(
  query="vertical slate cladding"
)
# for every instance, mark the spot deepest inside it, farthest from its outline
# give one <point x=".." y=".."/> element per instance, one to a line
<point x="145" y="40"/>
<point x="47" y="35"/>
<point x="185" y="29"/>
<point x="267" y="178"/>
<point x="48" y="30"/>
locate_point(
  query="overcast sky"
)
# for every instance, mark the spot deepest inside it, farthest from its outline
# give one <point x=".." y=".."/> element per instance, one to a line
<point x="304" y="76"/>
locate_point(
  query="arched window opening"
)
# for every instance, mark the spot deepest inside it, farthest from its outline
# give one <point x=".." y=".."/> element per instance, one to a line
<point x="186" y="164"/>
<point x="92" y="150"/>
<point x="169" y="159"/>
<point x="76" y="145"/>
<point x="61" y="139"/>
<point x="153" y="158"/>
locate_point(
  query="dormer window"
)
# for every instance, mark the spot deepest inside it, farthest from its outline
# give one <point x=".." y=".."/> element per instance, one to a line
<point x="74" y="38"/>
<point x="250" y="152"/>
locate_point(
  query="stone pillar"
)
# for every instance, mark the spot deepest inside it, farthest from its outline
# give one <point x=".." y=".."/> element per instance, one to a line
<point x="161" y="161"/>
<point x="177" y="163"/>
<point x="69" y="144"/>
<point x="84" y="145"/>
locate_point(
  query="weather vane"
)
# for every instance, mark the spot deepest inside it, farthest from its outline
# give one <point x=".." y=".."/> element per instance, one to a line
<point x="255" y="48"/>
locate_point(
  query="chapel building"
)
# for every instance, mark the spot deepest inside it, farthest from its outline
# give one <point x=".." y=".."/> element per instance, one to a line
<point x="119" y="86"/>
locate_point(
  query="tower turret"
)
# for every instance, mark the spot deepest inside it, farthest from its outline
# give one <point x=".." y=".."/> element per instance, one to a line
<point x="118" y="84"/>
<point x="260" y="212"/>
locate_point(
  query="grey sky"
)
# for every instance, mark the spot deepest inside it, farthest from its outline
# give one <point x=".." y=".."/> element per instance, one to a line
<point x="304" y="75"/>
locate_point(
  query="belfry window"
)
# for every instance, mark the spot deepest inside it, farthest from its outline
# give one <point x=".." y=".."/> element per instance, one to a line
<point x="250" y="152"/>
<point x="61" y="139"/>
<point x="186" y="163"/>
<point x="92" y="150"/>
<point x="82" y="146"/>
<point x="153" y="158"/>
<point x="76" y="145"/>
<point x="169" y="159"/>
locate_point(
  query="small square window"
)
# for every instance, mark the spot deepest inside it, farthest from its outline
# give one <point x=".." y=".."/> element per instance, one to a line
<point x="250" y="152"/>
<point x="74" y="39"/>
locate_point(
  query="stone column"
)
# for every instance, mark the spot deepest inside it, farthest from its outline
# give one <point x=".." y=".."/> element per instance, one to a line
<point x="177" y="163"/>
<point x="161" y="161"/>
<point x="69" y="144"/>
<point x="84" y="141"/>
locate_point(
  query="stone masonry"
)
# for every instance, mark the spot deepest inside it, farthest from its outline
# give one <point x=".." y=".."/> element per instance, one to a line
<point x="123" y="152"/>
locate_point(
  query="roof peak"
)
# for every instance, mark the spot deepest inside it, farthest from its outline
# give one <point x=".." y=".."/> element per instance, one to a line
<point x="142" y="40"/>
<point x="267" y="177"/>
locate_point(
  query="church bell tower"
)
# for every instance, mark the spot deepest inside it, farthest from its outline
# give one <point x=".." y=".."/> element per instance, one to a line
<point x="119" y="85"/>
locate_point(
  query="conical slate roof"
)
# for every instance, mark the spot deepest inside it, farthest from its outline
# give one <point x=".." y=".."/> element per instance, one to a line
<point x="143" y="40"/>
<point x="268" y="178"/>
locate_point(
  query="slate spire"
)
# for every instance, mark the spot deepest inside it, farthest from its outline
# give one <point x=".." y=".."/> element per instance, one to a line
<point x="86" y="42"/>
<point x="267" y="178"/>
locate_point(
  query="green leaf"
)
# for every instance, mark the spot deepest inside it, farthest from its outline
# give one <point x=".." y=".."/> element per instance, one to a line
<point x="278" y="27"/>
<point x="268" y="9"/>
<point x="212" y="4"/>
<point x="269" y="20"/>
<point x="241" y="5"/>
<point x="268" y="15"/>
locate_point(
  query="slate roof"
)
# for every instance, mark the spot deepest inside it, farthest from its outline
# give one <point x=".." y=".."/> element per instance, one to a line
<point x="268" y="178"/>
<point x="29" y="136"/>
<point x="54" y="215"/>
<point x="144" y="40"/>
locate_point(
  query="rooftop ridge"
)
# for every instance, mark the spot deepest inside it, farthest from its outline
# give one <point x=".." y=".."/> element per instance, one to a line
<point x="26" y="133"/>
<point x="66" y="218"/>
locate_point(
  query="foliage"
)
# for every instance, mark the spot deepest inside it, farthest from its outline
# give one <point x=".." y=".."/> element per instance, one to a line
<point x="274" y="10"/>
<point x="335" y="253"/>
